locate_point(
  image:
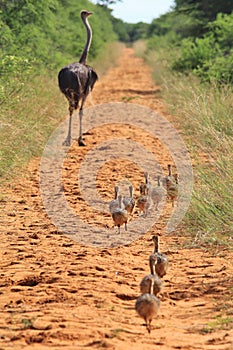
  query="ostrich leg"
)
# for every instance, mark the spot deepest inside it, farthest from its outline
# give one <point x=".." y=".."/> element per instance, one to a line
<point x="80" y="139"/>
<point x="67" y="141"/>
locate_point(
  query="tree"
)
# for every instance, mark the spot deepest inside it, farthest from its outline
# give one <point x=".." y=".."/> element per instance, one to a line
<point x="203" y="10"/>
<point x="107" y="3"/>
<point x="206" y="8"/>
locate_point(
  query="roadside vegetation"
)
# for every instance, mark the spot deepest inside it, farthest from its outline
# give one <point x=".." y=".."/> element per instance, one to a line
<point x="203" y="113"/>
<point x="190" y="51"/>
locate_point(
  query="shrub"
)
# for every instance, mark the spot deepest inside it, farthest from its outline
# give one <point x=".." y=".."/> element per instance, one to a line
<point x="210" y="57"/>
<point x="195" y="54"/>
<point x="14" y="72"/>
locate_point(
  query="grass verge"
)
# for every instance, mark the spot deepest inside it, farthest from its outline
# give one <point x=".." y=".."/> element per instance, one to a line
<point x="203" y="114"/>
<point x="27" y="119"/>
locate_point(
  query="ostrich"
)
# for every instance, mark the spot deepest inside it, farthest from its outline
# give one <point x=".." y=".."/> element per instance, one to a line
<point x="169" y="179"/>
<point x="172" y="192"/>
<point x="76" y="81"/>
<point x="147" y="306"/>
<point x="157" y="194"/>
<point x="129" y="202"/>
<point x="120" y="215"/>
<point x="144" y="187"/>
<point x="146" y="281"/>
<point x="144" y="201"/>
<point x="159" y="260"/>
<point x="115" y="202"/>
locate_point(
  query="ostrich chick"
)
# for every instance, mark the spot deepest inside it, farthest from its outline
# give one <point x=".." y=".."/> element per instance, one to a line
<point x="158" y="194"/>
<point x="144" y="201"/>
<point x="147" y="306"/>
<point x="115" y="202"/>
<point x="145" y="284"/>
<point x="120" y="215"/>
<point x="129" y="202"/>
<point x="172" y="191"/>
<point x="159" y="260"/>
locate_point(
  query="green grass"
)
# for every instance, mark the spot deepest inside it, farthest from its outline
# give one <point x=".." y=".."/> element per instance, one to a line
<point x="30" y="113"/>
<point x="219" y="323"/>
<point x="203" y="114"/>
<point x="27" y="119"/>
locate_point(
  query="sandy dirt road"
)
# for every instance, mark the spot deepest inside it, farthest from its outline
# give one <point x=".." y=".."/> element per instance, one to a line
<point x="58" y="294"/>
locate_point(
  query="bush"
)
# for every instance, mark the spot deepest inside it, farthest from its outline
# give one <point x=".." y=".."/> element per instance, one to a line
<point x="210" y="57"/>
<point x="195" y="54"/>
<point x="14" y="72"/>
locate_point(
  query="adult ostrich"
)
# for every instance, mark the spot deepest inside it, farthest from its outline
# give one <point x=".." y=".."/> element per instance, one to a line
<point x="76" y="81"/>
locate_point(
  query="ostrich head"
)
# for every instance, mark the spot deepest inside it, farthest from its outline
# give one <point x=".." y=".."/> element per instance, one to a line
<point x="84" y="14"/>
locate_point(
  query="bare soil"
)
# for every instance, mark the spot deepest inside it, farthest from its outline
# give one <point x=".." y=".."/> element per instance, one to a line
<point x="56" y="293"/>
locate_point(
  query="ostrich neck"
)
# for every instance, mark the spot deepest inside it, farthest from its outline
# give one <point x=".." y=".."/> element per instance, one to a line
<point x="156" y="246"/>
<point x="116" y="193"/>
<point x="131" y="192"/>
<point x="169" y="170"/>
<point x="158" y="181"/>
<point x="120" y="201"/>
<point x="152" y="263"/>
<point x="151" y="286"/>
<point x="88" y="42"/>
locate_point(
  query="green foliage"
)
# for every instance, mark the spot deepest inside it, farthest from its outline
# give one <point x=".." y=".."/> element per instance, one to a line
<point x="30" y="23"/>
<point x="157" y="42"/>
<point x="210" y="57"/>
<point x="107" y="3"/>
<point x="50" y="29"/>
<point x="223" y="29"/>
<point x="6" y="35"/>
<point x="194" y="54"/>
<point x="198" y="13"/>
<point x="136" y="31"/>
<point x="129" y="32"/>
<point x="27" y="117"/>
<point x="162" y="25"/>
<point x="201" y="31"/>
<point x="121" y="30"/>
<point x="45" y="33"/>
<point x="220" y="70"/>
<point x="15" y="71"/>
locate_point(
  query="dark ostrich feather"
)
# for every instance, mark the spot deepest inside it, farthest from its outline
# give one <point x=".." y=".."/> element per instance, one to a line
<point x="76" y="80"/>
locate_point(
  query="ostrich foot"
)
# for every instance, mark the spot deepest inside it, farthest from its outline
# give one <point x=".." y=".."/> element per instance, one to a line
<point x="81" y="142"/>
<point x="66" y="142"/>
